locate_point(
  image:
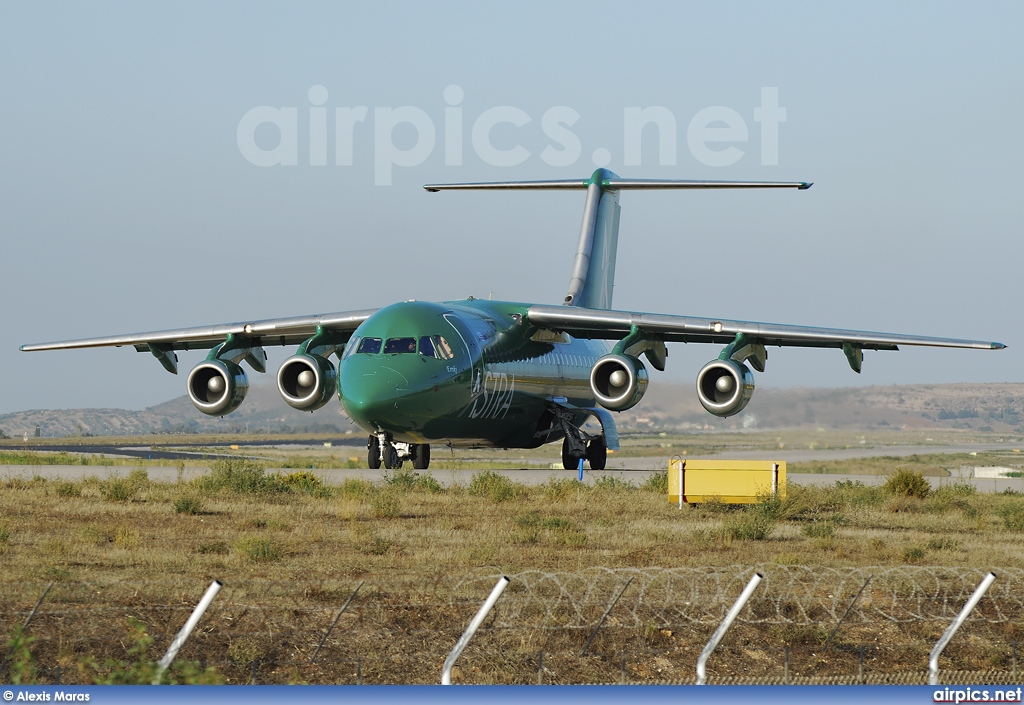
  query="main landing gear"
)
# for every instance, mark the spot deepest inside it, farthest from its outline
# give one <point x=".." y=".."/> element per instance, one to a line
<point x="381" y="449"/>
<point x="595" y="451"/>
<point x="578" y="444"/>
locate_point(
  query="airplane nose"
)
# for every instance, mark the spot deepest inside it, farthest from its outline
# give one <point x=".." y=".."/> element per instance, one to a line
<point x="371" y="396"/>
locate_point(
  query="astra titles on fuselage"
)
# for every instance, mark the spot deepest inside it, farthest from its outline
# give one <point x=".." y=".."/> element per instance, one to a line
<point x="493" y="395"/>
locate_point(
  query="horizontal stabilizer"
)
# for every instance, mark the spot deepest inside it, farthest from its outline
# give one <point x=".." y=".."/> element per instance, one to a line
<point x="618" y="184"/>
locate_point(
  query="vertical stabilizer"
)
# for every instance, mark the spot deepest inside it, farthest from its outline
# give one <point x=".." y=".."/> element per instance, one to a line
<point x="593" y="269"/>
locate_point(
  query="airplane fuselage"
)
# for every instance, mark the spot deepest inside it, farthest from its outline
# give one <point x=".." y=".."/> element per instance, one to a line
<point x="465" y="373"/>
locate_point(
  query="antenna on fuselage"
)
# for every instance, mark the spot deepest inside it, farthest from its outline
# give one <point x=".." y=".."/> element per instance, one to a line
<point x="593" y="269"/>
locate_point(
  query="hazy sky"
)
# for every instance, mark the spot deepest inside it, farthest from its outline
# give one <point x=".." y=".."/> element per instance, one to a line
<point x="129" y="200"/>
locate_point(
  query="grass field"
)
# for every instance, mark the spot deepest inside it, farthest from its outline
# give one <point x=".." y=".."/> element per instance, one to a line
<point x="120" y="547"/>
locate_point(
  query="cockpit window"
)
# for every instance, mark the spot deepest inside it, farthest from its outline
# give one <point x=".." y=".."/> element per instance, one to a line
<point x="400" y="345"/>
<point x="442" y="348"/>
<point x="426" y="347"/>
<point x="435" y="346"/>
<point x="351" y="347"/>
<point x="370" y="346"/>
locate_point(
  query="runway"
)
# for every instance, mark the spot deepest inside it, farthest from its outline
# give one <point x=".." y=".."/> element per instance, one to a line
<point x="527" y="476"/>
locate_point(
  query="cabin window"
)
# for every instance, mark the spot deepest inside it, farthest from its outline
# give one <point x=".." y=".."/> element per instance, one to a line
<point x="370" y="346"/>
<point x="400" y="345"/>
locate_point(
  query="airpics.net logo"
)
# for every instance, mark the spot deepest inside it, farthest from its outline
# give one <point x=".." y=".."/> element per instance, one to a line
<point x="712" y="134"/>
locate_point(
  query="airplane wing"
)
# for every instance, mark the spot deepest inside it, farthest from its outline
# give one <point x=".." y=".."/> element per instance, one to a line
<point x="615" y="325"/>
<point x="251" y="334"/>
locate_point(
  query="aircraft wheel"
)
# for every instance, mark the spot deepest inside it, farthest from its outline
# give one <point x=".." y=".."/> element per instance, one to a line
<point x="421" y="456"/>
<point x="597" y="454"/>
<point x="391" y="461"/>
<point x="569" y="462"/>
<point x="373" y="453"/>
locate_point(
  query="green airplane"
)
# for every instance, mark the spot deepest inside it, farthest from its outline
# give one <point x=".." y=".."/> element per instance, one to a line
<point x="477" y="373"/>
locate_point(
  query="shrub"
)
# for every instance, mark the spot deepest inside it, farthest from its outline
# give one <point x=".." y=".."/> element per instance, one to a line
<point x="560" y="487"/>
<point x="259" y="550"/>
<point x="68" y="489"/>
<point x="819" y="529"/>
<point x="19" y="657"/>
<point x="117" y="490"/>
<point x="242" y="476"/>
<point x="750" y="526"/>
<point x="656" y="482"/>
<point x="188" y="505"/>
<point x="611" y="482"/>
<point x="307" y="482"/>
<point x="386" y="505"/>
<point x="139" y="669"/>
<point x="1013" y="516"/>
<point x="139" y="477"/>
<point x="126" y="537"/>
<point x="355" y="488"/>
<point x="493" y="486"/>
<point x="913" y="554"/>
<point x="372" y="544"/>
<point x="410" y="480"/>
<point x="907" y="483"/>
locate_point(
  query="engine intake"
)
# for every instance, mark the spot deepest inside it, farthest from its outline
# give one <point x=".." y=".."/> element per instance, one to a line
<point x="217" y="387"/>
<point x="618" y="381"/>
<point x="724" y="387"/>
<point x="306" y="381"/>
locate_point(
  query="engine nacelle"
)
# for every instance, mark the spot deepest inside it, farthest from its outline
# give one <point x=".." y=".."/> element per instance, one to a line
<point x="307" y="381"/>
<point x="618" y="381"/>
<point x="724" y="387"/>
<point x="217" y="387"/>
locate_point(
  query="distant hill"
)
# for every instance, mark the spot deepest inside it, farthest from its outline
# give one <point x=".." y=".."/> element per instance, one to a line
<point x="666" y="407"/>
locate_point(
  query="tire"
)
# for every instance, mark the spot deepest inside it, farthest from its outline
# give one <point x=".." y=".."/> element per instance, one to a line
<point x="421" y="456"/>
<point x="391" y="461"/>
<point x="568" y="461"/>
<point x="373" y="453"/>
<point x="597" y="454"/>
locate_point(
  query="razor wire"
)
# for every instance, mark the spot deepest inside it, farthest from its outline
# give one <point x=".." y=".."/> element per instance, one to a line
<point x="798" y="595"/>
<point x="656" y="597"/>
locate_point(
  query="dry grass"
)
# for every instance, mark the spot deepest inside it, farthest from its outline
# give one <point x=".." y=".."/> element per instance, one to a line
<point x="148" y="550"/>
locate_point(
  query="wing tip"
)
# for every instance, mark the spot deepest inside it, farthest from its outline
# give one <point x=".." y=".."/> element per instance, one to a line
<point x="804" y="185"/>
<point x="997" y="346"/>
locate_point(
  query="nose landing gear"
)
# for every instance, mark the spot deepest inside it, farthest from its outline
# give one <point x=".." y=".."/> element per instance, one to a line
<point x="381" y="449"/>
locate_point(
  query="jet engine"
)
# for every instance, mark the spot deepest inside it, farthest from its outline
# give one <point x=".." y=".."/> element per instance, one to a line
<point x="618" y="381"/>
<point x="217" y="387"/>
<point x="307" y="381"/>
<point x="724" y="387"/>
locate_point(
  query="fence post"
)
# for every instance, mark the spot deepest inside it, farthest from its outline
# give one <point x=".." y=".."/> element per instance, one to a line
<point x="604" y="617"/>
<point x="179" y="640"/>
<point x="485" y="608"/>
<point x="702" y="662"/>
<point x="540" y="667"/>
<point x="344" y="607"/>
<point x="832" y="636"/>
<point x="933" y="659"/>
<point x="24" y="626"/>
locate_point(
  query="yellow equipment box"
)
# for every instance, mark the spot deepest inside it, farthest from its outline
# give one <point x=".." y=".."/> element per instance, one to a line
<point x="728" y="481"/>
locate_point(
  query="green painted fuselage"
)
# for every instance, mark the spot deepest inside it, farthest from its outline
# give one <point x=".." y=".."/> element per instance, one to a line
<point x="484" y="376"/>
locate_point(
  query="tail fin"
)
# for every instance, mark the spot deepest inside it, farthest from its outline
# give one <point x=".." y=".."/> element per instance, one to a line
<point x="593" y="269"/>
